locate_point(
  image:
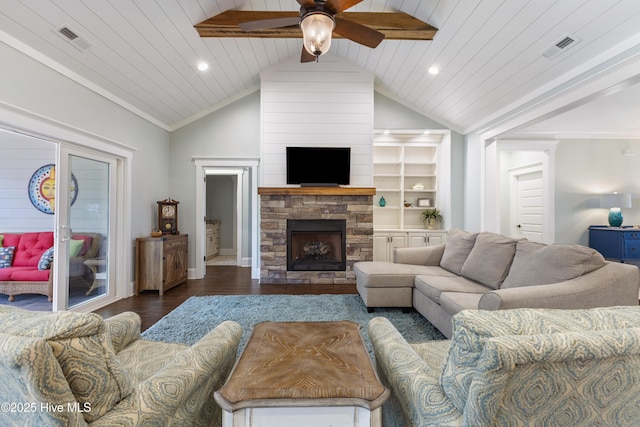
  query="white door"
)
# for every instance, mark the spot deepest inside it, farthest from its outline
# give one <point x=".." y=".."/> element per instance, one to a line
<point x="85" y="211"/>
<point x="528" y="219"/>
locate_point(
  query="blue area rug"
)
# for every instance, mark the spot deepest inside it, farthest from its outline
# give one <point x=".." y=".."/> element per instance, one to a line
<point x="198" y="315"/>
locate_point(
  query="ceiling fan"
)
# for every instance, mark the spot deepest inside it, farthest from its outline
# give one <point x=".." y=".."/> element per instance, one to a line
<point x="317" y="21"/>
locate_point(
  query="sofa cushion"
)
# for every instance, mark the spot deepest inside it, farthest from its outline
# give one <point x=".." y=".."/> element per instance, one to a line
<point x="538" y="264"/>
<point x="46" y="259"/>
<point x="6" y="256"/>
<point x="472" y="329"/>
<point x="454" y="302"/>
<point x="490" y="259"/>
<point x="381" y="274"/>
<point x="28" y="274"/>
<point x="31" y="247"/>
<point x="81" y="345"/>
<point x="433" y="286"/>
<point x="11" y="239"/>
<point x="5" y="274"/>
<point x="456" y="250"/>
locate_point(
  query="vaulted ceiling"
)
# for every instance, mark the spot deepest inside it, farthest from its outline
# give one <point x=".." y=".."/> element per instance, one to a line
<point x="143" y="53"/>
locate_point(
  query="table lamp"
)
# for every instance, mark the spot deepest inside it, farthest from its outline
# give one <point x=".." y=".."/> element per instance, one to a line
<point x="615" y="202"/>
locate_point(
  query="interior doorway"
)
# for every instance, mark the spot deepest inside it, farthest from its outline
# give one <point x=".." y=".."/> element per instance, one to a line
<point x="522" y="172"/>
<point x="223" y="217"/>
<point x="244" y="206"/>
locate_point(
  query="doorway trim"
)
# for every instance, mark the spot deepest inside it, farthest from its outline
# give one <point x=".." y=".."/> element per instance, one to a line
<point x="238" y="184"/>
<point x="233" y="164"/>
<point x="493" y="169"/>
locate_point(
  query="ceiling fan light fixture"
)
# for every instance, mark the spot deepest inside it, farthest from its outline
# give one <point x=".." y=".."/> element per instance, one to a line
<point x="317" y="28"/>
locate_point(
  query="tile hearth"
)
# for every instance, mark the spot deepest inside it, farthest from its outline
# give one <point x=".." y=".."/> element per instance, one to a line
<point x="278" y="204"/>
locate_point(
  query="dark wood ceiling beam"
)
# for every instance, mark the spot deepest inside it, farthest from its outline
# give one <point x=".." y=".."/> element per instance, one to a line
<point x="394" y="25"/>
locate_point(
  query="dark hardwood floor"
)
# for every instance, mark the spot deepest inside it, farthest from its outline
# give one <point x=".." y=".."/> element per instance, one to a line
<point x="219" y="281"/>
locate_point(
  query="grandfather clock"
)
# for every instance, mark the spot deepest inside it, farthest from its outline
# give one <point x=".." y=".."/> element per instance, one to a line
<point x="168" y="216"/>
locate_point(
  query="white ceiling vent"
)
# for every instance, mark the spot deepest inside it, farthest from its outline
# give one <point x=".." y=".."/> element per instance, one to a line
<point x="560" y="46"/>
<point x="74" y="38"/>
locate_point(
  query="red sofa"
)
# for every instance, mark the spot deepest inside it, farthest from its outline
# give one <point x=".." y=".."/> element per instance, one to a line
<point x="24" y="277"/>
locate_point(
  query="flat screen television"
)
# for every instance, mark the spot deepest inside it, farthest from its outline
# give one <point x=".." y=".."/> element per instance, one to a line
<point x="320" y="166"/>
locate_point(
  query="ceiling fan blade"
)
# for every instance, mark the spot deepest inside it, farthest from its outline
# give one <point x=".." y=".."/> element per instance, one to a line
<point x="306" y="56"/>
<point x="337" y="6"/>
<point x="394" y="25"/>
<point x="263" y="24"/>
<point x="307" y="4"/>
<point x="358" y="33"/>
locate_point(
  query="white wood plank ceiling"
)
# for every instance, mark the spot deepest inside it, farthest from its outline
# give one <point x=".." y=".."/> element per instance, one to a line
<point x="144" y="52"/>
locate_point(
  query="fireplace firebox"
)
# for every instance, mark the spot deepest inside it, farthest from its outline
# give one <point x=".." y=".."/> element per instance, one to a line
<point x="316" y="245"/>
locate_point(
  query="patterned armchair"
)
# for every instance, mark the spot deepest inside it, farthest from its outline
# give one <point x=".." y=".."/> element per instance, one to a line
<point x="516" y="367"/>
<point x="74" y="369"/>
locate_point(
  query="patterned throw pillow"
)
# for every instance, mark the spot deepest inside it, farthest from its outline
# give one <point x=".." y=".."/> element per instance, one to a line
<point x="6" y="256"/>
<point x="46" y="259"/>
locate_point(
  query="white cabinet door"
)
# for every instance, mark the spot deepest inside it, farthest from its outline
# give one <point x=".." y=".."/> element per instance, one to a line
<point x="418" y="239"/>
<point x="384" y="243"/>
<point x="398" y="240"/>
<point x="380" y="247"/>
<point x="435" y="239"/>
<point x="428" y="238"/>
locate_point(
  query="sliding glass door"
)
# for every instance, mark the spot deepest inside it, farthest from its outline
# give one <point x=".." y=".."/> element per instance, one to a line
<point x="85" y="220"/>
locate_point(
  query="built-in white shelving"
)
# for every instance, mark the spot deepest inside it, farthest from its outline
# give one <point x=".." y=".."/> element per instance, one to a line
<point x="409" y="167"/>
<point x="405" y="170"/>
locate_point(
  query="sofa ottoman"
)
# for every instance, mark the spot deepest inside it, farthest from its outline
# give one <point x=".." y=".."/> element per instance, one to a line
<point x="387" y="284"/>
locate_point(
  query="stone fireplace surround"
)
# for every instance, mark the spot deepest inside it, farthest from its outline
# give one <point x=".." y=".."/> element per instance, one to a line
<point x="277" y="204"/>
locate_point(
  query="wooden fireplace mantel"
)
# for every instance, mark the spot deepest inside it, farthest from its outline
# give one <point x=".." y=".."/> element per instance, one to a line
<point x="317" y="191"/>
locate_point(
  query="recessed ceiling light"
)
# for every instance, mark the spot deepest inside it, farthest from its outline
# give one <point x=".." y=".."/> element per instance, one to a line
<point x="386" y="132"/>
<point x="433" y="70"/>
<point x="203" y="66"/>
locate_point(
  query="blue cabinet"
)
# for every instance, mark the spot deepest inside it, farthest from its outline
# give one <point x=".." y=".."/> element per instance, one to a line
<point x="620" y="244"/>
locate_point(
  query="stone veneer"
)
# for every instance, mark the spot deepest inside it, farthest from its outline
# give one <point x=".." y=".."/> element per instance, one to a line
<point x="277" y="204"/>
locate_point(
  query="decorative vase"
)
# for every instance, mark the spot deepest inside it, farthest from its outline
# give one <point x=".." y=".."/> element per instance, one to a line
<point x="430" y="223"/>
<point x="615" y="217"/>
<point x="382" y="202"/>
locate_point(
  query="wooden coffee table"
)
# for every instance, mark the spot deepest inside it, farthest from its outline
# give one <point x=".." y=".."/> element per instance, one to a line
<point x="303" y="373"/>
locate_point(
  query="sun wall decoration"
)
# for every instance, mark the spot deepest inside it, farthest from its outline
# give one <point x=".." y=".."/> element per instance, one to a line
<point x="42" y="189"/>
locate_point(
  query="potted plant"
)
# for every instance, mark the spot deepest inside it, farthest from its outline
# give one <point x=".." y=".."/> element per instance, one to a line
<point x="431" y="217"/>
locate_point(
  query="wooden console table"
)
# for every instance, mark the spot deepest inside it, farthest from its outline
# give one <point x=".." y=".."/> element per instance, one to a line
<point x="303" y="373"/>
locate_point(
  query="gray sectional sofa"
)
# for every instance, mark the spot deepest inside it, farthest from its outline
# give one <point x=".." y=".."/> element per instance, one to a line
<point x="494" y="272"/>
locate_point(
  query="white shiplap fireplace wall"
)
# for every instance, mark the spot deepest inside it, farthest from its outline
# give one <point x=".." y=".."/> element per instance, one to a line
<point x="323" y="104"/>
